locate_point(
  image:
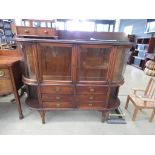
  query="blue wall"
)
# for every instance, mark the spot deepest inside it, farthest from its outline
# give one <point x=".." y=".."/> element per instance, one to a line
<point x="139" y="26"/>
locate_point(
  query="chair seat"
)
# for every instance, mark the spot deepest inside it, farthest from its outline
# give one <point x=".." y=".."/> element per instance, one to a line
<point x="137" y="101"/>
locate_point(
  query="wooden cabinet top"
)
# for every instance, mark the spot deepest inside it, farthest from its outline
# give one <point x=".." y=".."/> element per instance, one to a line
<point x="76" y="41"/>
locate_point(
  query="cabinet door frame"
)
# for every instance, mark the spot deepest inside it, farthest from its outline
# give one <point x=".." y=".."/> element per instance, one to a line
<point x="40" y="57"/>
<point x="109" y="68"/>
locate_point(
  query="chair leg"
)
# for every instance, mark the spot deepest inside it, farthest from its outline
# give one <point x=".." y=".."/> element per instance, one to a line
<point x="152" y="115"/>
<point x="135" y="114"/>
<point x="127" y="102"/>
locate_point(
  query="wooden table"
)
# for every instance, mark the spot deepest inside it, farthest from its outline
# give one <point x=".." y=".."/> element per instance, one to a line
<point x="11" y="78"/>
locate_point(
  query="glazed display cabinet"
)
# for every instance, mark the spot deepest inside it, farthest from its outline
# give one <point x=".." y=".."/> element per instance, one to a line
<point x="73" y="74"/>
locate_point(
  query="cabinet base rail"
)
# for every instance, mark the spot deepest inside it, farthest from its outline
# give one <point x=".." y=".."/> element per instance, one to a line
<point x="33" y="105"/>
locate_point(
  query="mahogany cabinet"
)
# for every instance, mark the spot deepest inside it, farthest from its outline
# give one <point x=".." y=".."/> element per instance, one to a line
<point x="73" y="74"/>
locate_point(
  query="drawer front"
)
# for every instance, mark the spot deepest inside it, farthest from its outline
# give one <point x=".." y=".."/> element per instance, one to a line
<point x="90" y="98"/>
<point x="57" y="98"/>
<point x="57" y="89"/>
<point x="4" y="73"/>
<point x="91" y="89"/>
<point x="26" y="31"/>
<point x="58" y="105"/>
<point x="91" y="105"/>
<point x="5" y="86"/>
<point x="46" y="32"/>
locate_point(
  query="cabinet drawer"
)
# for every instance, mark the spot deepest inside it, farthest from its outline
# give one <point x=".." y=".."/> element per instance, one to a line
<point x="5" y="86"/>
<point x="90" y="98"/>
<point x="57" y="89"/>
<point x="26" y="31"/>
<point x="58" y="105"/>
<point x="91" y="89"/>
<point x="91" y="105"/>
<point x="64" y="98"/>
<point x="46" y="32"/>
<point x="4" y="73"/>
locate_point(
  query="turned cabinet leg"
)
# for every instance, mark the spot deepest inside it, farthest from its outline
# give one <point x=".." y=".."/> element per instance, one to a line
<point x="104" y="115"/>
<point x="18" y="104"/>
<point x="127" y="102"/>
<point x="42" y="114"/>
<point x="152" y="115"/>
<point x="135" y="114"/>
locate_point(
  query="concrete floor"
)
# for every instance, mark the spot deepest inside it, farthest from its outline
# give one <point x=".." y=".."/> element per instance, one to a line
<point x="77" y="122"/>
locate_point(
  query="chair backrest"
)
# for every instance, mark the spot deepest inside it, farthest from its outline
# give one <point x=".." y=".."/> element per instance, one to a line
<point x="150" y="89"/>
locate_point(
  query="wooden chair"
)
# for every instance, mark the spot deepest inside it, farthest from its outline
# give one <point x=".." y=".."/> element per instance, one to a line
<point x="145" y="101"/>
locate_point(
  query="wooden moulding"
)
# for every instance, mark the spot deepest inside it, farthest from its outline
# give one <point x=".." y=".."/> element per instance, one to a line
<point x="29" y="81"/>
<point x="34" y="105"/>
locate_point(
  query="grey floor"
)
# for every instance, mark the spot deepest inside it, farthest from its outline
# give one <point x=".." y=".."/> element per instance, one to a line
<point x="77" y="122"/>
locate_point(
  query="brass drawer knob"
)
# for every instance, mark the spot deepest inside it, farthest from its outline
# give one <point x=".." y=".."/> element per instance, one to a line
<point x="91" y="97"/>
<point x="2" y="73"/>
<point x="57" y="89"/>
<point x="26" y="31"/>
<point x="90" y="104"/>
<point x="58" y="97"/>
<point x="45" y="31"/>
<point x="91" y="89"/>
<point x="58" y="104"/>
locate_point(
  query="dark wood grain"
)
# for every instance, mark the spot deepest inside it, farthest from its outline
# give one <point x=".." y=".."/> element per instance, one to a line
<point x="57" y="89"/>
<point x="57" y="105"/>
<point x="91" y="105"/>
<point x="91" y="89"/>
<point x="90" y="98"/>
<point x="57" y="97"/>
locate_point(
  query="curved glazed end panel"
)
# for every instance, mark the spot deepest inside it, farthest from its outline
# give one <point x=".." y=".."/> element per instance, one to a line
<point x="29" y="57"/>
<point x="120" y="63"/>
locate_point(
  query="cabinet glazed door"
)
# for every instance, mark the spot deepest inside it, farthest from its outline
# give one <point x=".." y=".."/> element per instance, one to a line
<point x="94" y="62"/>
<point x="55" y="61"/>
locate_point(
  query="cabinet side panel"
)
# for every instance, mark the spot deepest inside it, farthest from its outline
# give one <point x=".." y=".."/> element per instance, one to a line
<point x="120" y="64"/>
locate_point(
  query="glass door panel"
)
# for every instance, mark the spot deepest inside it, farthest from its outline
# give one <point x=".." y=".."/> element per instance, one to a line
<point x="30" y="58"/>
<point x="55" y="61"/>
<point x="120" y="64"/>
<point x="93" y="63"/>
